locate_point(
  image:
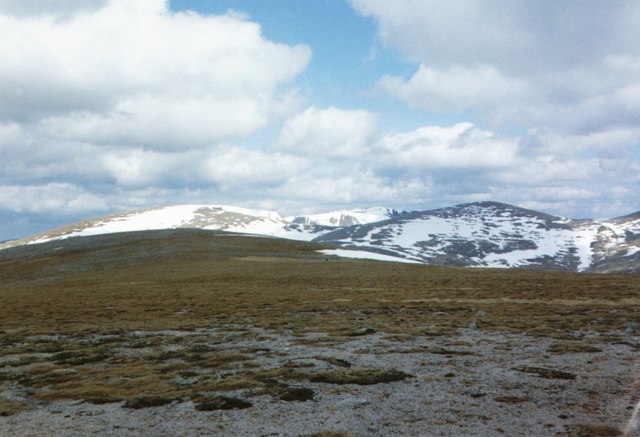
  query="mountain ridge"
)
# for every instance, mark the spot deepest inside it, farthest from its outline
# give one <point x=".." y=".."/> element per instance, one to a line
<point x="477" y="234"/>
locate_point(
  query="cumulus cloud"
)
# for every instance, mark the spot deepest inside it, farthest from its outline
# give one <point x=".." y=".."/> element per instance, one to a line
<point x="58" y="8"/>
<point x="118" y="104"/>
<point x="52" y="197"/>
<point x="361" y="185"/>
<point x="456" y="89"/>
<point x="139" y="167"/>
<point x="99" y="76"/>
<point x="564" y="74"/>
<point x="331" y="132"/>
<point x="230" y="167"/>
<point x="571" y="65"/>
<point x="163" y="124"/>
<point x="461" y="146"/>
<point x="520" y="37"/>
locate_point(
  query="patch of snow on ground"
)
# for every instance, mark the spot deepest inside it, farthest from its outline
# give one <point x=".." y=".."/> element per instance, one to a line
<point x="583" y="239"/>
<point x="362" y="254"/>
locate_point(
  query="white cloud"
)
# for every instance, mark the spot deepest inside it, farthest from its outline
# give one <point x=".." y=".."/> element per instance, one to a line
<point x="245" y="170"/>
<point x="162" y="123"/>
<point x="133" y="71"/>
<point x="57" y="8"/>
<point x="615" y="140"/>
<point x="138" y="167"/>
<point x="121" y="104"/>
<point x="461" y="146"/>
<point x="455" y="89"/>
<point x="519" y="37"/>
<point x="570" y="66"/>
<point x="10" y="133"/>
<point x="360" y="186"/>
<point x="53" y="197"/>
<point x="331" y="132"/>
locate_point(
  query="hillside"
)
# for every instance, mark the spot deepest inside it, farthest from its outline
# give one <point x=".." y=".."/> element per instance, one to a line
<point x="491" y="234"/>
<point x="193" y="332"/>
<point x="482" y="234"/>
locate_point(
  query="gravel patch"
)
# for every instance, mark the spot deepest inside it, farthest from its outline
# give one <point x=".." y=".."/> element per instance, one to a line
<point x="471" y="383"/>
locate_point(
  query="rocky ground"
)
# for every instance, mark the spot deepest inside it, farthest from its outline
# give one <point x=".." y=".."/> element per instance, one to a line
<point x="186" y="333"/>
<point x="273" y="383"/>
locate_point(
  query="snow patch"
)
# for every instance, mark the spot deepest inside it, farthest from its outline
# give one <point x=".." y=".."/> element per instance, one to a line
<point x="363" y="254"/>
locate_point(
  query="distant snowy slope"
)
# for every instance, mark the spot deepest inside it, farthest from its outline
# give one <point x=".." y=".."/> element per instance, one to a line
<point x="214" y="217"/>
<point x="483" y="234"/>
<point x="346" y="217"/>
<point x="616" y="246"/>
<point x="487" y="234"/>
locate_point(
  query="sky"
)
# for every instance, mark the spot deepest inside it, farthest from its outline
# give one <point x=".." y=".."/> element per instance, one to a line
<point x="304" y="106"/>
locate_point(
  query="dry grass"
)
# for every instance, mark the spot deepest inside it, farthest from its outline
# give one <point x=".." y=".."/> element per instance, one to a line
<point x="8" y="408"/>
<point x="359" y="376"/>
<point x="70" y="310"/>
<point x="572" y="348"/>
<point x="598" y="430"/>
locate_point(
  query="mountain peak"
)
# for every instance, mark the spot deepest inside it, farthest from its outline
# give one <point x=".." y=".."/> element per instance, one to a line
<point x="477" y="234"/>
<point x="345" y="217"/>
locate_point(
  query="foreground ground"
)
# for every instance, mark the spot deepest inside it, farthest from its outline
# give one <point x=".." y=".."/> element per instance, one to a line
<point x="196" y="333"/>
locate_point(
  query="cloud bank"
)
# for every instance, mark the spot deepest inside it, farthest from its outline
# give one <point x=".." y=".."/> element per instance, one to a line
<point x="109" y="105"/>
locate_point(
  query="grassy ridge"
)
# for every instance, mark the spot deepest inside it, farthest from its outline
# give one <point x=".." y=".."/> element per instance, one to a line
<point x="188" y="279"/>
<point x="70" y="310"/>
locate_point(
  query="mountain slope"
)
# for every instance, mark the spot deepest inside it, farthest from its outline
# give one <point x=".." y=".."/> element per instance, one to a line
<point x="491" y="234"/>
<point x="347" y="217"/>
<point x="483" y="234"/>
<point x="211" y="217"/>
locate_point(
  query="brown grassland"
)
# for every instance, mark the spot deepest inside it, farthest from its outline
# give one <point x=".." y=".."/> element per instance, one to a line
<point x="73" y="313"/>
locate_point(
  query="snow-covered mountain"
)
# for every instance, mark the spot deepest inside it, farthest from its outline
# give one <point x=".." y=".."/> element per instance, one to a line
<point x="491" y="234"/>
<point x="484" y="234"/>
<point x="346" y="217"/>
<point x="214" y="217"/>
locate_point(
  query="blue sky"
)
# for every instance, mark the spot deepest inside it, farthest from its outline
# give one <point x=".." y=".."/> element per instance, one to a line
<point x="347" y="54"/>
<point x="305" y="106"/>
